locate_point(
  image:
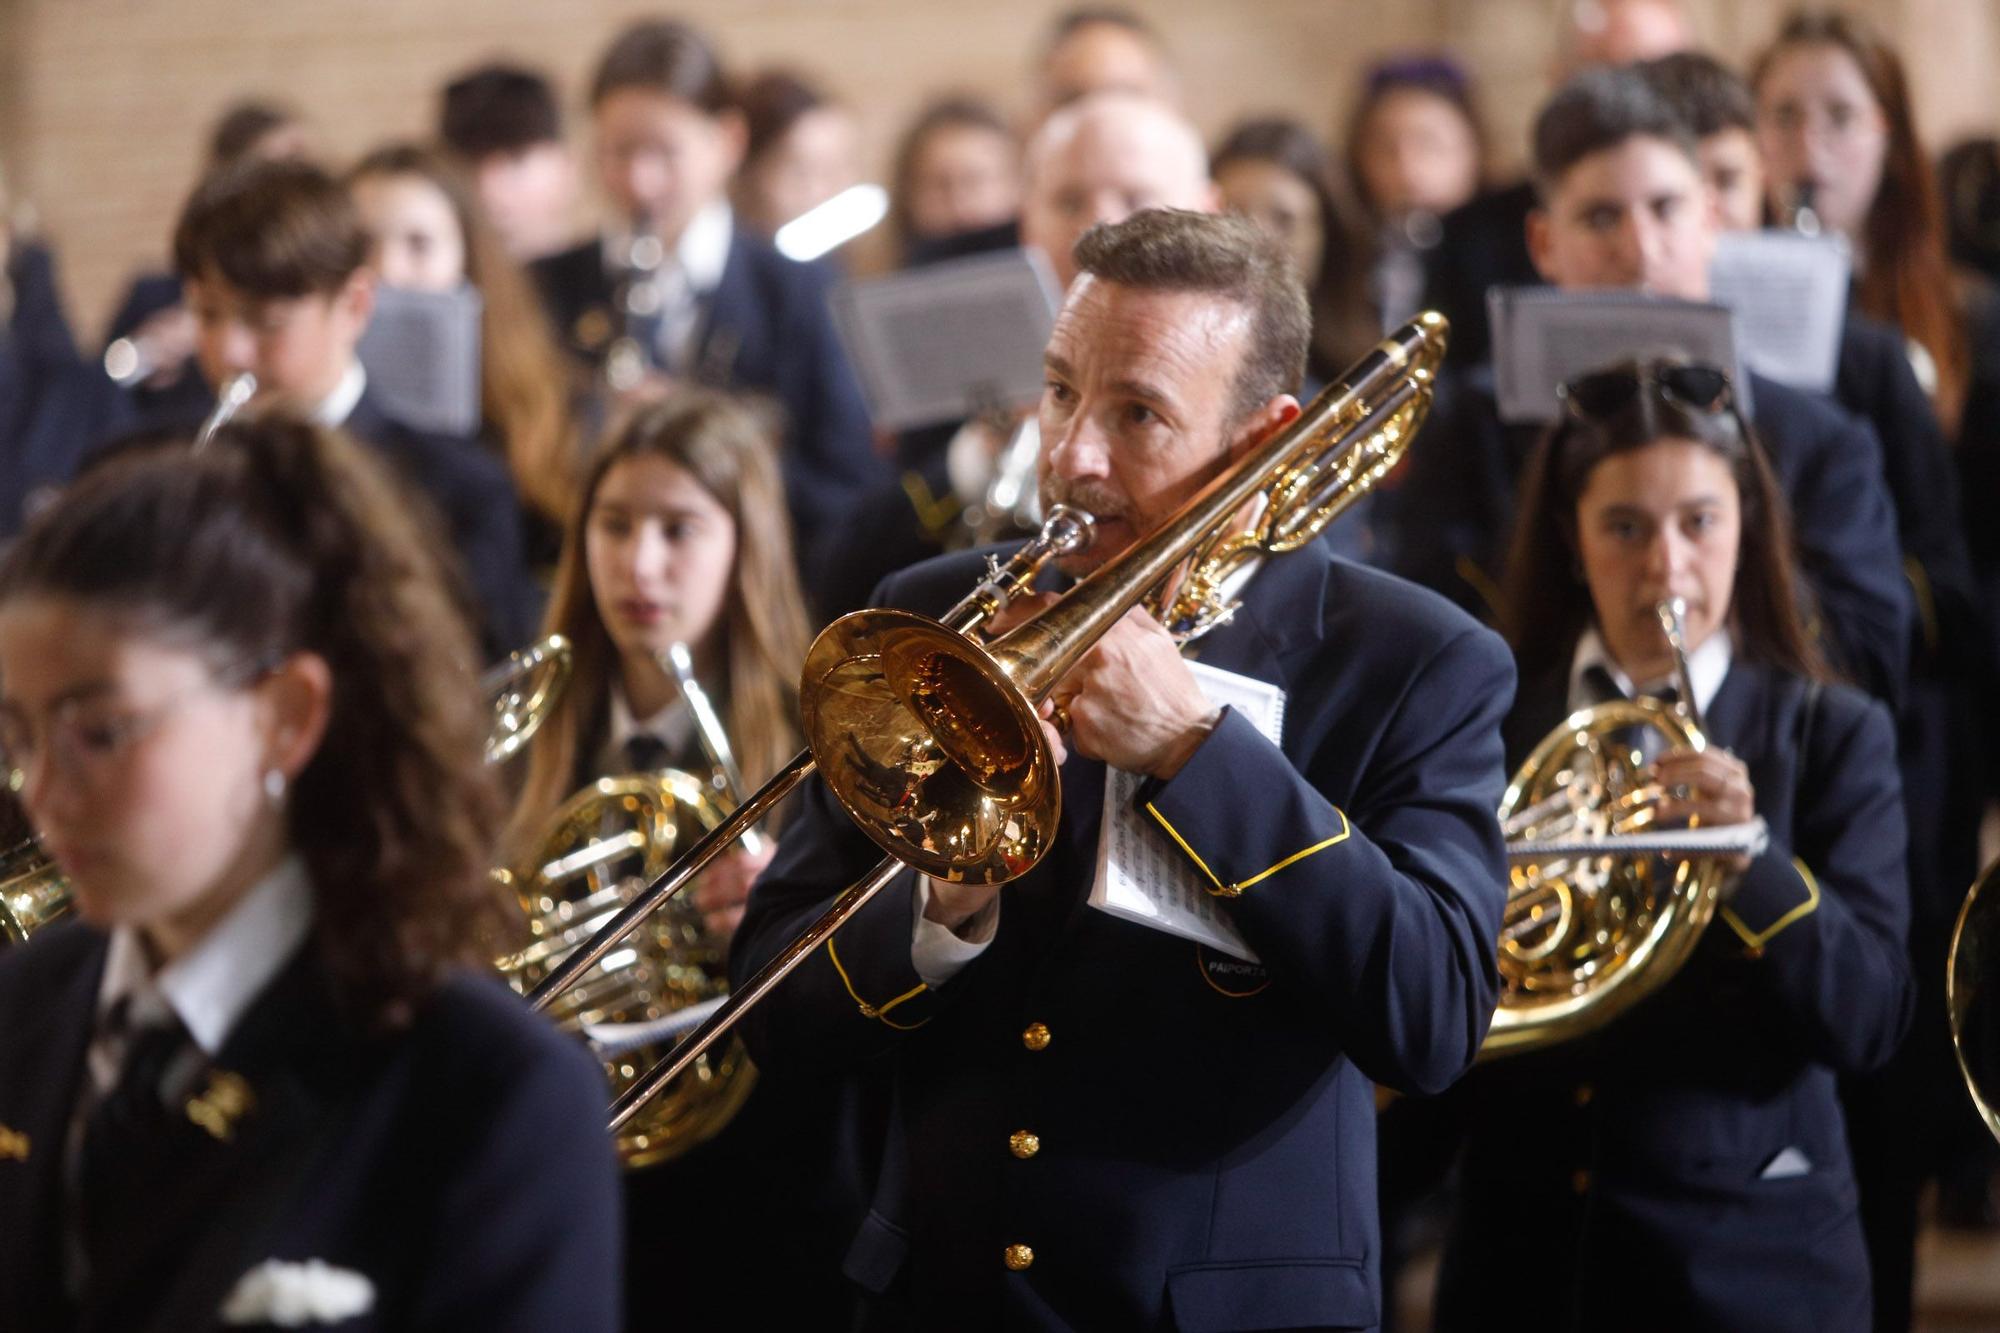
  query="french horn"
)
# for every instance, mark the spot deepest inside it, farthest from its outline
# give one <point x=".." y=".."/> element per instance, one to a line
<point x="1972" y="994"/>
<point x="1600" y="911"/>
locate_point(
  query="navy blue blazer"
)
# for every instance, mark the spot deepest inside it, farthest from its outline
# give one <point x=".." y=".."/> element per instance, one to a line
<point x="1447" y="521"/>
<point x="473" y="493"/>
<point x="149" y="294"/>
<point x="49" y="414"/>
<point x="1628" y="1170"/>
<point x="38" y="321"/>
<point x="1482" y="243"/>
<point x="460" y="1166"/>
<point x="765" y="330"/>
<point x="1206" y="1154"/>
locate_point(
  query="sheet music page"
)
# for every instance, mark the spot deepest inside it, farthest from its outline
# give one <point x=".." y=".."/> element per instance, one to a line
<point x="1789" y="293"/>
<point x="940" y="342"/>
<point x="421" y="352"/>
<point x="1543" y="336"/>
<point x="1141" y="875"/>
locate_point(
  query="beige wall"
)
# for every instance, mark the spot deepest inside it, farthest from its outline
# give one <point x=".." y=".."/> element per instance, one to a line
<point x="103" y="103"/>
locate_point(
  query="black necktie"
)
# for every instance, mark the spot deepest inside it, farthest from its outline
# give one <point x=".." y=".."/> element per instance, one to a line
<point x="125" y="1133"/>
<point x="646" y="753"/>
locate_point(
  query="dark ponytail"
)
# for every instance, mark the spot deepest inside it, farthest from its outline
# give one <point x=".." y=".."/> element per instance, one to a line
<point x="282" y="538"/>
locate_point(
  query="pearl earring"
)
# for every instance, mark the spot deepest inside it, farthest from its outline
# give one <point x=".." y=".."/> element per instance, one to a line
<point x="274" y="784"/>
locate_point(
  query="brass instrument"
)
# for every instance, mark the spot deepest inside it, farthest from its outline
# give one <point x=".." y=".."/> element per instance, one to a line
<point x="1598" y="916"/>
<point x="1971" y="991"/>
<point x="638" y="300"/>
<point x="236" y="391"/>
<point x="524" y="690"/>
<point x="605" y="841"/>
<point x="932" y="742"/>
<point x="1011" y="505"/>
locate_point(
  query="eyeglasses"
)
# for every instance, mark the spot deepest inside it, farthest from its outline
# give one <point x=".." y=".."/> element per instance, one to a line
<point x="1603" y="394"/>
<point x="89" y="737"/>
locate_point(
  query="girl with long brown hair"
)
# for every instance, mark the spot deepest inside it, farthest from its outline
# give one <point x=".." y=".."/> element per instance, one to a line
<point x="265" y="1071"/>
<point x="679" y="535"/>
<point x="1834" y="120"/>
<point x="1687" y="1165"/>
<point x="430" y="235"/>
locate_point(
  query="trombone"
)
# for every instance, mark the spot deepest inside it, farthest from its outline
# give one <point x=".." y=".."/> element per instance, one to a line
<point x="933" y="742"/>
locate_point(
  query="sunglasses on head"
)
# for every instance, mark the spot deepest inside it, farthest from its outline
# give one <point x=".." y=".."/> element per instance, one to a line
<point x="1690" y="385"/>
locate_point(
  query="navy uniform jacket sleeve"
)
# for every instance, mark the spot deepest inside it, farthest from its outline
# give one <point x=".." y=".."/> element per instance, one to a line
<point x="1830" y="463"/>
<point x="1385" y="914"/>
<point x="528" y="1229"/>
<point x="1877" y="383"/>
<point x="1826" y="916"/>
<point x="829" y="456"/>
<point x="1384" y="917"/>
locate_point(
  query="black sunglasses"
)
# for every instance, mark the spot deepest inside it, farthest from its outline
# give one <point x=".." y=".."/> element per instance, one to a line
<point x="1603" y="394"/>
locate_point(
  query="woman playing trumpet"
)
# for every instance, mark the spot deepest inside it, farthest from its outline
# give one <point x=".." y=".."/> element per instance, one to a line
<point x="1687" y="1166"/>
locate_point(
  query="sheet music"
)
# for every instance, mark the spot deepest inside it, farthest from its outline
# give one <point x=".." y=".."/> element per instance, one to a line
<point x="421" y="351"/>
<point x="1141" y="875"/>
<point x="1543" y="337"/>
<point x="941" y="342"/>
<point x="1789" y="293"/>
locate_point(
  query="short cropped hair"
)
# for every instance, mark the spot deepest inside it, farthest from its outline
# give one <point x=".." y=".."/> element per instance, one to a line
<point x="664" y="56"/>
<point x="1231" y="258"/>
<point x="1070" y="22"/>
<point x="1600" y="109"/>
<point x="271" y="229"/>
<point x="1708" y="96"/>
<point x="498" y="109"/>
<point x="239" y="128"/>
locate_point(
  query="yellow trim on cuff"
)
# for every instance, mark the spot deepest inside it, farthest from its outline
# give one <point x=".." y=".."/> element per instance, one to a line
<point x="934" y="513"/>
<point x="1479" y="581"/>
<point x="871" y="1011"/>
<point x="1756" y="940"/>
<point x="1221" y="890"/>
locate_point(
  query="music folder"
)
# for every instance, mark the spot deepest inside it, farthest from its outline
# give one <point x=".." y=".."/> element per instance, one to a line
<point x="421" y="352"/>
<point x="946" y="341"/>
<point x="1543" y="337"/>
<point x="1789" y="293"/>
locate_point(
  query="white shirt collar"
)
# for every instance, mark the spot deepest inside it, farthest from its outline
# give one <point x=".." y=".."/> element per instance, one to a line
<point x="703" y="251"/>
<point x="1707" y="665"/>
<point x="334" y="409"/>
<point x="211" y="985"/>
<point x="673" y="726"/>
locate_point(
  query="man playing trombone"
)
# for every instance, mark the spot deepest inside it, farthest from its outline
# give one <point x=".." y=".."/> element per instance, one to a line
<point x="1103" y="1120"/>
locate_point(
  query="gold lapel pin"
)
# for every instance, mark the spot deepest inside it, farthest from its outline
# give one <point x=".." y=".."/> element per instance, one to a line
<point x="226" y="1100"/>
<point x="14" y="1144"/>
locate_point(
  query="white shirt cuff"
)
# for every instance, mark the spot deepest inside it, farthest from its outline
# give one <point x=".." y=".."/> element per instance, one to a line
<point x="937" y="951"/>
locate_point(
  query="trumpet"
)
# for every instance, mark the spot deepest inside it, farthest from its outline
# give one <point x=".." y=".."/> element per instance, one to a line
<point x="1603" y="908"/>
<point x="932" y="741"/>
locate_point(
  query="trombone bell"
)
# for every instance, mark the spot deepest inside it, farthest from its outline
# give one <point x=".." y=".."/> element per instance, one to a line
<point x="930" y="745"/>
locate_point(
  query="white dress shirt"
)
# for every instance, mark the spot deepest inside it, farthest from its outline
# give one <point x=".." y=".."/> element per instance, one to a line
<point x="333" y="410"/>
<point x="672" y="726"/>
<point x="1707" y="665"/>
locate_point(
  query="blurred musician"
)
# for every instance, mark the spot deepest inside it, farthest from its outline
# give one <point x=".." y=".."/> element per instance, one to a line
<point x="681" y="538"/>
<point x="712" y="304"/>
<point x="1099" y="159"/>
<point x="150" y="342"/>
<point x="275" y="260"/>
<point x="955" y="187"/>
<point x="505" y="124"/>
<point x="800" y="149"/>
<point x="1687" y="1167"/>
<point x="1102" y="48"/>
<point x="269" y="1072"/>
<point x="1103" y="1125"/>
<point x="430" y="236"/>
<point x="1624" y="207"/>
<point x="1483" y="243"/>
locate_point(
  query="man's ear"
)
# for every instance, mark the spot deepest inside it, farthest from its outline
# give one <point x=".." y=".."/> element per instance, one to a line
<point x="356" y="297"/>
<point x="734" y="133"/>
<point x="1262" y="424"/>
<point x="1538" y="240"/>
